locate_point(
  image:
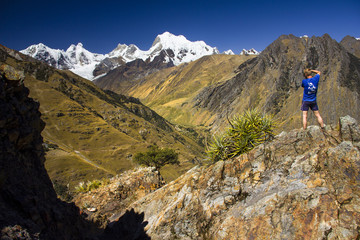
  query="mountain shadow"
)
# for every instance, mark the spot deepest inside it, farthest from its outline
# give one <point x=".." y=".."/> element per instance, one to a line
<point x="130" y="226"/>
<point x="29" y="205"/>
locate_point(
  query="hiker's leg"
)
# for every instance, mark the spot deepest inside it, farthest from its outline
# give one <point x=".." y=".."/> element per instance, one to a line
<point x="304" y="119"/>
<point x="319" y="119"/>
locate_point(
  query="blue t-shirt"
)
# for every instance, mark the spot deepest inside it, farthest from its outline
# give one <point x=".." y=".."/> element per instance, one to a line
<point x="310" y="86"/>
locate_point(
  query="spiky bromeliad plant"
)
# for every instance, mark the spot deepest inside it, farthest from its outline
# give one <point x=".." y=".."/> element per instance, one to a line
<point x="245" y="132"/>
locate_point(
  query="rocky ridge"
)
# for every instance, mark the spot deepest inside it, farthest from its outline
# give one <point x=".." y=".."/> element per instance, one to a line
<point x="167" y="49"/>
<point x="352" y="45"/>
<point x="272" y="82"/>
<point x="301" y="185"/>
<point x="108" y="202"/>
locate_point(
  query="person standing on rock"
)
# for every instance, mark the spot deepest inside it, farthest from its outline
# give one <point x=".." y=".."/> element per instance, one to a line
<point x="310" y="85"/>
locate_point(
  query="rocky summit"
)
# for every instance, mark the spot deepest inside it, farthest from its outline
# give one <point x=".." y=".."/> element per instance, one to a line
<point x="301" y="185"/>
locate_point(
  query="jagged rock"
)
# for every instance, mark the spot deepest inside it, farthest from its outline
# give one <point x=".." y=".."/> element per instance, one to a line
<point x="110" y="201"/>
<point x="352" y="45"/>
<point x="127" y="75"/>
<point x="106" y="65"/>
<point x="349" y="129"/>
<point x="11" y="74"/>
<point x="301" y="185"/>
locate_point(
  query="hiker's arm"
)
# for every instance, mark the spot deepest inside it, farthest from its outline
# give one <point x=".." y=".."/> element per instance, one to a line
<point x="316" y="72"/>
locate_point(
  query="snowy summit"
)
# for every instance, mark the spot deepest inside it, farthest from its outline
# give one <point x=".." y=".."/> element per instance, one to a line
<point x="182" y="50"/>
<point x="173" y="49"/>
<point x="249" y="52"/>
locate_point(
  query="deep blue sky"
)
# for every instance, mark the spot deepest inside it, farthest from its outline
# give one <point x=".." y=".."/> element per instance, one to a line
<point x="101" y="25"/>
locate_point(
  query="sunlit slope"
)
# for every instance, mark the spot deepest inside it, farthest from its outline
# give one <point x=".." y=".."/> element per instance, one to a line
<point x="91" y="133"/>
<point x="170" y="92"/>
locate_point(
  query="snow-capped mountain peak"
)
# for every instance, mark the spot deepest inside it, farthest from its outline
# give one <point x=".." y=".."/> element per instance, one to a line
<point x="80" y="56"/>
<point x="128" y="53"/>
<point x="54" y="57"/>
<point x="167" y="48"/>
<point x="176" y="48"/>
<point x="170" y="41"/>
<point x="249" y="52"/>
<point x="229" y="52"/>
<point x="183" y="50"/>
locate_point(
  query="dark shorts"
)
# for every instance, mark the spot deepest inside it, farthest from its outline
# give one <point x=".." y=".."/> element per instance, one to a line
<point x="312" y="105"/>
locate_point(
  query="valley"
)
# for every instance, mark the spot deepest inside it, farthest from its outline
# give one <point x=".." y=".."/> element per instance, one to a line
<point x="93" y="134"/>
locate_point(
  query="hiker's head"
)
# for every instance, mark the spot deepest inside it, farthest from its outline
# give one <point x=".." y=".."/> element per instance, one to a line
<point x="307" y="72"/>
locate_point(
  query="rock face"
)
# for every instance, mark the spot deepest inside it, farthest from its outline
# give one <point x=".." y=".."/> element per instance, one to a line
<point x="107" y="203"/>
<point x="28" y="203"/>
<point x="352" y="45"/>
<point x="301" y="185"/>
<point x="124" y="77"/>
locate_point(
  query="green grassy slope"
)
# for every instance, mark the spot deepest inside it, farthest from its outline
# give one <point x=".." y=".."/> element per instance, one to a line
<point x="171" y="92"/>
<point x="92" y="133"/>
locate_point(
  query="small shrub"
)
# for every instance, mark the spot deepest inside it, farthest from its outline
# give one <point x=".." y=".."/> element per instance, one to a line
<point x="246" y="131"/>
<point x="87" y="187"/>
<point x="157" y="157"/>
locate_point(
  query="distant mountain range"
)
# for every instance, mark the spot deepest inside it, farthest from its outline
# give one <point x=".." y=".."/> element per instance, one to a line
<point x="167" y="48"/>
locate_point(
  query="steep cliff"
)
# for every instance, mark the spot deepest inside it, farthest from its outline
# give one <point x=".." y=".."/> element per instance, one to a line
<point x="28" y="204"/>
<point x="352" y="45"/>
<point x="301" y="185"/>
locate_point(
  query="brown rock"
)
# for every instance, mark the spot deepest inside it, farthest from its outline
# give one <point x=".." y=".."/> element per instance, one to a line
<point x="302" y="185"/>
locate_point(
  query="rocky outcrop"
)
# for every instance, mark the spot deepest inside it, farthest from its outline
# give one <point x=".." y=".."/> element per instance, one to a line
<point x="106" y="65"/>
<point x="301" y="185"/>
<point x="352" y="45"/>
<point x="107" y="203"/>
<point x="28" y="203"/>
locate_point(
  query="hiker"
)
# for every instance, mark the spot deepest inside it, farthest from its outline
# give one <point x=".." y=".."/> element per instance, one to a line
<point x="310" y="85"/>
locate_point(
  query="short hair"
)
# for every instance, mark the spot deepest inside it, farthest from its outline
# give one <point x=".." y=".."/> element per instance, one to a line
<point x="307" y="72"/>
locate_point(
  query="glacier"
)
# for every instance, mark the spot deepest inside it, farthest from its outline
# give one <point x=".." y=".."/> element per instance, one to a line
<point x="76" y="58"/>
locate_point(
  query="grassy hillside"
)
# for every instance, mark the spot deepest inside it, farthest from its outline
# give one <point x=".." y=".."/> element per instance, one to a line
<point x="170" y="92"/>
<point x="91" y="133"/>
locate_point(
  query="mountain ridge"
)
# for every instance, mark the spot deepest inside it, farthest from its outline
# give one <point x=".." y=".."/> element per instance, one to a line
<point x="276" y="73"/>
<point x="175" y="50"/>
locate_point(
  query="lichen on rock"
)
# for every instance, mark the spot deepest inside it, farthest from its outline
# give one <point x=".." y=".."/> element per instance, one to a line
<point x="301" y="185"/>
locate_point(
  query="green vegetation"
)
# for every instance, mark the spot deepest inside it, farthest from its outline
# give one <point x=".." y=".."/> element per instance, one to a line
<point x="246" y="131"/>
<point x="157" y="157"/>
<point x="88" y="186"/>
